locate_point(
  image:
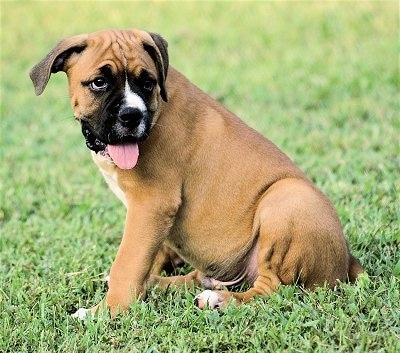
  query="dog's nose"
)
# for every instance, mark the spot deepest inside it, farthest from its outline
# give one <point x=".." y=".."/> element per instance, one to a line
<point x="130" y="117"/>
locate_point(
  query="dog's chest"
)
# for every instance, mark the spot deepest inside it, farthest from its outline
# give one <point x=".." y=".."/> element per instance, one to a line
<point x="110" y="176"/>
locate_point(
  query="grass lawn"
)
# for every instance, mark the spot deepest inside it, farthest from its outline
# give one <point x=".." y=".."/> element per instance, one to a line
<point x="321" y="80"/>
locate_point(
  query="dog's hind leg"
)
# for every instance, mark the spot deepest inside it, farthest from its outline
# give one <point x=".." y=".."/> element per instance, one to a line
<point x="267" y="280"/>
<point x="166" y="260"/>
<point x="300" y="240"/>
<point x="265" y="285"/>
<point x="192" y="278"/>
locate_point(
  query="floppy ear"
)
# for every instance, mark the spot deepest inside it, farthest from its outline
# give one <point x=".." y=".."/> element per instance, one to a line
<point x="157" y="49"/>
<point x="55" y="61"/>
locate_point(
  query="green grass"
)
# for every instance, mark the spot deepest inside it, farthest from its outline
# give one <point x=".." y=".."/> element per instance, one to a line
<point x="320" y="80"/>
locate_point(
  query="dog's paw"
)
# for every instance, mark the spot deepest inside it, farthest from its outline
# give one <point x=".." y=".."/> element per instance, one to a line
<point x="208" y="298"/>
<point x="81" y="313"/>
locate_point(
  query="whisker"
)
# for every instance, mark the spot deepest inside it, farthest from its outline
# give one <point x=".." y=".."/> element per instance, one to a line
<point x="68" y="118"/>
<point x="154" y="124"/>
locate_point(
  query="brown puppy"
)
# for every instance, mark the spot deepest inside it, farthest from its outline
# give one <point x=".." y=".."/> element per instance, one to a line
<point x="192" y="176"/>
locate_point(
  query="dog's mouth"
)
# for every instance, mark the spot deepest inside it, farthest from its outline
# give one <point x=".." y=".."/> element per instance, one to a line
<point x="92" y="142"/>
<point x="124" y="154"/>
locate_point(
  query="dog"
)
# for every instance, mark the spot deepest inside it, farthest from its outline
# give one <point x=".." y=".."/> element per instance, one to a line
<point x="194" y="178"/>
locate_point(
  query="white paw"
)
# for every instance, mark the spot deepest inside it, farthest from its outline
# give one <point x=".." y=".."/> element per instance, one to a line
<point x="208" y="297"/>
<point x="80" y="314"/>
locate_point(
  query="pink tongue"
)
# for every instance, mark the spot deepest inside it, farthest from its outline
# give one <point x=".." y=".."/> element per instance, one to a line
<point x="125" y="155"/>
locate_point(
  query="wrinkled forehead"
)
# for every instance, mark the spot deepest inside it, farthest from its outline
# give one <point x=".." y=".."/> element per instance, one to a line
<point x="120" y="50"/>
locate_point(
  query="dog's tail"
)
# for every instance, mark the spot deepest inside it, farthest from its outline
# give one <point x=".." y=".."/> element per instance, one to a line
<point x="355" y="269"/>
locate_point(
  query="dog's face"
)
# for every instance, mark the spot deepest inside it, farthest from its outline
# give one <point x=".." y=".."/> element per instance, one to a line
<point x="116" y="84"/>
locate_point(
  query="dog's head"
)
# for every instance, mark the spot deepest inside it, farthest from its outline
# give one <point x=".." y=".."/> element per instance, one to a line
<point x="116" y="84"/>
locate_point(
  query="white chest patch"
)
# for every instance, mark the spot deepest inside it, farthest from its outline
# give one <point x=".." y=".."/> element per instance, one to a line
<point x="110" y="176"/>
<point x="112" y="182"/>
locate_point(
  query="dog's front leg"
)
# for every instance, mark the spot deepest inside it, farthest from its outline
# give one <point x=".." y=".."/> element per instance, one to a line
<point x="133" y="262"/>
<point x="145" y="231"/>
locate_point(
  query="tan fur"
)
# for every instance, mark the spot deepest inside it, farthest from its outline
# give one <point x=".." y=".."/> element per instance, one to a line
<point x="219" y="194"/>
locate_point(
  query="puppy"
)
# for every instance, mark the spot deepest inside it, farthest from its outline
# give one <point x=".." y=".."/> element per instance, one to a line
<point x="193" y="177"/>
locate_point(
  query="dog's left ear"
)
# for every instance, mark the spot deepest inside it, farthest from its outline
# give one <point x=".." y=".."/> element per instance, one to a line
<point x="157" y="49"/>
<point x="55" y="61"/>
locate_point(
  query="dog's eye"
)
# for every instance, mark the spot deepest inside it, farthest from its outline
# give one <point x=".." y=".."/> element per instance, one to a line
<point x="98" y="84"/>
<point x="148" y="85"/>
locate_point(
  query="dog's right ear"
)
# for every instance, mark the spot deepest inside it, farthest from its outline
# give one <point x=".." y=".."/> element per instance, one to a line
<point x="55" y="61"/>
